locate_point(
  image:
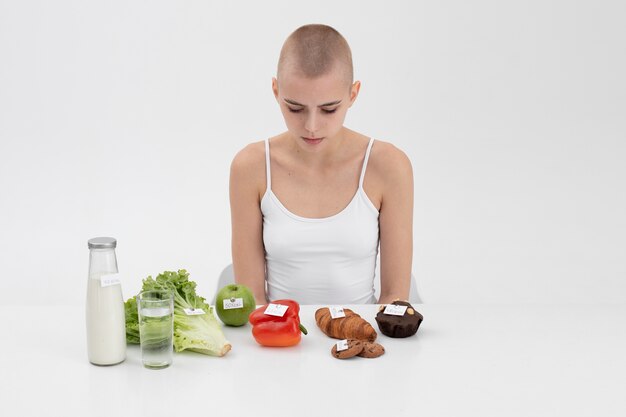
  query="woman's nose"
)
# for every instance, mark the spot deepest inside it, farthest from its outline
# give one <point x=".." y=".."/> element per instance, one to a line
<point x="312" y="122"/>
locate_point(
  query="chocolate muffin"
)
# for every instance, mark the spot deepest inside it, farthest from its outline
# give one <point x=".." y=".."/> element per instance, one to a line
<point x="399" y="326"/>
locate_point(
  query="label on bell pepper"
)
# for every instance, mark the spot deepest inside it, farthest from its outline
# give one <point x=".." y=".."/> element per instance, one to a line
<point x="342" y="345"/>
<point x="233" y="303"/>
<point x="336" y="312"/>
<point x="395" y="310"/>
<point x="194" y="311"/>
<point x="277" y="310"/>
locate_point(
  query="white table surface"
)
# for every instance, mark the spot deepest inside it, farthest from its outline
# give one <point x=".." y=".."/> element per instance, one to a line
<point x="466" y="360"/>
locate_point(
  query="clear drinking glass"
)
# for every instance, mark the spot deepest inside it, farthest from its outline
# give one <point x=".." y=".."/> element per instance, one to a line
<point x="156" y="327"/>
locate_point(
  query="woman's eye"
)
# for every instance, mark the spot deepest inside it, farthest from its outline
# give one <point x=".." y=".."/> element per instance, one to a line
<point x="292" y="110"/>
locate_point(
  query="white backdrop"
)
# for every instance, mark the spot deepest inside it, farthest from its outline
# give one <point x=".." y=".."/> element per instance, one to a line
<point x="120" y="118"/>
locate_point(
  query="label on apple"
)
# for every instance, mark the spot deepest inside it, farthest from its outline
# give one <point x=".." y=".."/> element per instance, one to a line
<point x="277" y="310"/>
<point x="233" y="303"/>
<point x="342" y="345"/>
<point x="109" y="279"/>
<point x="336" y="312"/>
<point x="194" y="311"/>
<point x="395" y="310"/>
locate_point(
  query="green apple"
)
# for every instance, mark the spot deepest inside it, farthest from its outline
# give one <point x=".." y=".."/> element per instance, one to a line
<point x="234" y="303"/>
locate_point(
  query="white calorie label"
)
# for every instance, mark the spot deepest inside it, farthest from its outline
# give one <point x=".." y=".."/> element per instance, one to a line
<point x="108" y="280"/>
<point x="394" y="310"/>
<point x="277" y="310"/>
<point x="194" y="311"/>
<point x="342" y="345"/>
<point x="233" y="303"/>
<point x="336" y="312"/>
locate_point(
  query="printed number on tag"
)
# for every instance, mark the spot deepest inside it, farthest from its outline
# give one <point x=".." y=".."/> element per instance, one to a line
<point x="108" y="280"/>
<point x="233" y="303"/>
<point x="277" y="310"/>
<point x="336" y="312"/>
<point x="395" y="310"/>
<point x="342" y="345"/>
<point x="194" y="311"/>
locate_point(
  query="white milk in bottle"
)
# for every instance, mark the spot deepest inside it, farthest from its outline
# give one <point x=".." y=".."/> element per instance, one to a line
<point x="106" y="328"/>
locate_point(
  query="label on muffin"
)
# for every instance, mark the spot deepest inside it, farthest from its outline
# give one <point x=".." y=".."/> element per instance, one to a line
<point x="336" y="312"/>
<point x="395" y="310"/>
<point x="342" y="345"/>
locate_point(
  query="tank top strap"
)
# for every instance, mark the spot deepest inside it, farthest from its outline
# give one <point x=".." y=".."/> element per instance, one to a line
<point x="367" y="157"/>
<point x="268" y="171"/>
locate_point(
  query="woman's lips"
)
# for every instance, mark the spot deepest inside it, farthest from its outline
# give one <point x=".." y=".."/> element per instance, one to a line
<point x="312" y="141"/>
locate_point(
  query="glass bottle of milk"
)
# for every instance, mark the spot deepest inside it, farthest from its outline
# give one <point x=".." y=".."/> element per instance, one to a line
<point x="106" y="328"/>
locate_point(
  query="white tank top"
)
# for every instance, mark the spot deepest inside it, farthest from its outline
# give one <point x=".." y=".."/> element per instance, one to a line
<point x="330" y="260"/>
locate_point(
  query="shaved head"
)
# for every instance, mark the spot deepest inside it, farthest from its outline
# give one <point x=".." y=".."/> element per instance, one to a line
<point x="316" y="50"/>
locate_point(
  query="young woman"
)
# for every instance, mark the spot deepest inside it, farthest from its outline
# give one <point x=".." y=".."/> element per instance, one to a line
<point x="311" y="206"/>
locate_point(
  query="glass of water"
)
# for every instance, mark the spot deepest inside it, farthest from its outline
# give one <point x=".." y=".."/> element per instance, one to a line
<point x="156" y="327"/>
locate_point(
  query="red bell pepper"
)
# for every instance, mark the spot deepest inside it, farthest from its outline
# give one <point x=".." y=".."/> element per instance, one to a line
<point x="282" y="331"/>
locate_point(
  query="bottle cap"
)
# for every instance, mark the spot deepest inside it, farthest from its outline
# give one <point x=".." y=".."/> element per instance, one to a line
<point x="102" y="243"/>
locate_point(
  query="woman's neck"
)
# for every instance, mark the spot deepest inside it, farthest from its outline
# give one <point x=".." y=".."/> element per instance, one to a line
<point x="333" y="149"/>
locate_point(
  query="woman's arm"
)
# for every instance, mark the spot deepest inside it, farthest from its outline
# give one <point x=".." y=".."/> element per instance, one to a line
<point x="396" y="223"/>
<point x="247" y="174"/>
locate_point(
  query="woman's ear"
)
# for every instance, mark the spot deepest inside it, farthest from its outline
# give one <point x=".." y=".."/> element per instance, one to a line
<point x="354" y="91"/>
<point x="275" y="87"/>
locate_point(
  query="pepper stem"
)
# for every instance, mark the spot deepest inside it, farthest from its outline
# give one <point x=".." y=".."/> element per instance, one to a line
<point x="303" y="329"/>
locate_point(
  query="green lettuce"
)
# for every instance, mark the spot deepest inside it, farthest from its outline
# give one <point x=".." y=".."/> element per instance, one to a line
<point x="132" y="321"/>
<point x="199" y="333"/>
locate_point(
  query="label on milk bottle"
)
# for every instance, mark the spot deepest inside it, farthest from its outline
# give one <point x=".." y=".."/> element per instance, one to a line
<point x="109" y="279"/>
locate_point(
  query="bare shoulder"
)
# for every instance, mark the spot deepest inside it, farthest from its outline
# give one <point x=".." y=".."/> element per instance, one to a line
<point x="249" y="161"/>
<point x="248" y="166"/>
<point x="389" y="163"/>
<point x="250" y="158"/>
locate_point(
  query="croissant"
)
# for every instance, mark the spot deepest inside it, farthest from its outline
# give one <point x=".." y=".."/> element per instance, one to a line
<point x="350" y="327"/>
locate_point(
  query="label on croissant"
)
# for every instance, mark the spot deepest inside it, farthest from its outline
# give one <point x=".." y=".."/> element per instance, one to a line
<point x="277" y="310"/>
<point x="233" y="303"/>
<point x="193" y="311"/>
<point x="395" y="310"/>
<point x="336" y="312"/>
<point x="342" y="345"/>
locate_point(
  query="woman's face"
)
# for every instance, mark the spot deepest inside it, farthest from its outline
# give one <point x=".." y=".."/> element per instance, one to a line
<point x="314" y="108"/>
